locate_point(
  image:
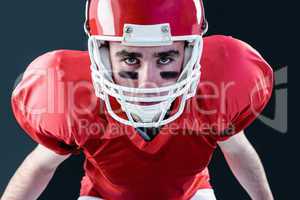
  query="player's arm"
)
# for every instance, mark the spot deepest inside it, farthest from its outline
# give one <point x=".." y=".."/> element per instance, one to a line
<point x="33" y="175"/>
<point x="246" y="166"/>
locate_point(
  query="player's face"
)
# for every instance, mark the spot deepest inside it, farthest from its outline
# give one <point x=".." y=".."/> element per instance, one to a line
<point x="146" y="67"/>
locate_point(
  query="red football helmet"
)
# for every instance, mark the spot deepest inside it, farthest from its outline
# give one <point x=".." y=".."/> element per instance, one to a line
<point x="145" y="23"/>
<point x="108" y="18"/>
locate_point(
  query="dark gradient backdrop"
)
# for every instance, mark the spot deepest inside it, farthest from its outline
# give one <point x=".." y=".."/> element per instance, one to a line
<point x="30" y="28"/>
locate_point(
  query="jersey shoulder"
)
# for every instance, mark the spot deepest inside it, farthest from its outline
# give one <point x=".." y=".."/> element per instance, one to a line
<point x="55" y="98"/>
<point x="236" y="84"/>
<point x="69" y="63"/>
<point x="230" y="56"/>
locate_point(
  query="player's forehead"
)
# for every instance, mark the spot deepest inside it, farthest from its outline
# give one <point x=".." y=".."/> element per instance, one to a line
<point x="176" y="46"/>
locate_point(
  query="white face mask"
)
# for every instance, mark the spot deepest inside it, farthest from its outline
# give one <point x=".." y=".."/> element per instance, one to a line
<point x="153" y="115"/>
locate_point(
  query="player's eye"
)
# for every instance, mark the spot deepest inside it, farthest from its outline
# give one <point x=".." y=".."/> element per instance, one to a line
<point x="128" y="75"/>
<point x="131" y="61"/>
<point x="164" y="60"/>
<point x="169" y="75"/>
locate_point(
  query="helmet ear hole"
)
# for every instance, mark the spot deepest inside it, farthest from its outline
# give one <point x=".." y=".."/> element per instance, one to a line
<point x="204" y="27"/>
<point x="87" y="28"/>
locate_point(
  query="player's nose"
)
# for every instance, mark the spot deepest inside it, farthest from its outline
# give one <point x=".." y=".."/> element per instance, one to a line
<point x="149" y="76"/>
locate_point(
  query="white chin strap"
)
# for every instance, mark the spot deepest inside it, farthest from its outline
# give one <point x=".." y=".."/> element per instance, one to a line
<point x="153" y="115"/>
<point x="147" y="113"/>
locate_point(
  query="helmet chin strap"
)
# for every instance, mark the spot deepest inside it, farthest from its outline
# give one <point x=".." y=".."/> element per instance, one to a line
<point x="148" y="113"/>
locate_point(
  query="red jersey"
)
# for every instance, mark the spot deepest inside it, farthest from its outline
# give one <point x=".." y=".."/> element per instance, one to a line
<point x="56" y="105"/>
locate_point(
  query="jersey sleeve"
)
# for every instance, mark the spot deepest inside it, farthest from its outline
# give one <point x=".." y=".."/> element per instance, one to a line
<point x="37" y="106"/>
<point x="244" y="81"/>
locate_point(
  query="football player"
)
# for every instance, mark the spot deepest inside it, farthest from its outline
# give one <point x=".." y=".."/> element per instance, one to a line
<point x="147" y="105"/>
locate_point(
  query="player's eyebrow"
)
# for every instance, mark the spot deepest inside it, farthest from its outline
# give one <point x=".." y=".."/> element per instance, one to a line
<point x="125" y="53"/>
<point x="173" y="53"/>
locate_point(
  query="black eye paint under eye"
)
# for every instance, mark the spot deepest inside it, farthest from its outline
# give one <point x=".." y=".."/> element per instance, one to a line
<point x="128" y="74"/>
<point x="169" y="75"/>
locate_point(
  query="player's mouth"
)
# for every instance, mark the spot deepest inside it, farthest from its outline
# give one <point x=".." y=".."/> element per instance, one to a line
<point x="147" y="103"/>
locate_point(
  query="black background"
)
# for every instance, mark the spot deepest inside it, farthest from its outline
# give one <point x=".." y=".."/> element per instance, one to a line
<point x="30" y="28"/>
